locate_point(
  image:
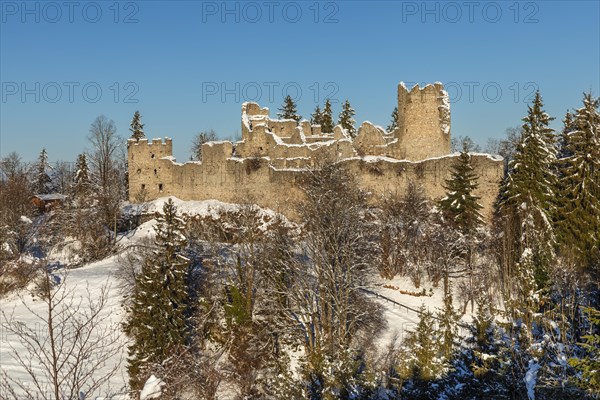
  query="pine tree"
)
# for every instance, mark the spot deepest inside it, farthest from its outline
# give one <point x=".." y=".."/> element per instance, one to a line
<point x="327" y="119"/>
<point x="346" y="120"/>
<point x="394" y="122"/>
<point x="578" y="214"/>
<point x="317" y="117"/>
<point x="460" y="204"/>
<point x="42" y="179"/>
<point x="288" y="110"/>
<point x="137" y="128"/>
<point x="525" y="202"/>
<point x="157" y="315"/>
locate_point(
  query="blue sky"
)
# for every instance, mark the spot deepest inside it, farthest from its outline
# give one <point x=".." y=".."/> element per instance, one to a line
<point x="188" y="65"/>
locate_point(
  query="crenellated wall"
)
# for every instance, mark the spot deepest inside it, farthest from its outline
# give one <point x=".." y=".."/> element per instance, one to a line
<point x="267" y="164"/>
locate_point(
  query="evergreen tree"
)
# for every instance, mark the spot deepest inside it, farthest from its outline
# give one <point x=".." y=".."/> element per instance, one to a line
<point x="526" y="196"/>
<point x="568" y="127"/>
<point x="424" y="346"/>
<point x="42" y="179"/>
<point x="327" y="118"/>
<point x="288" y="110"/>
<point x="460" y="204"/>
<point x="157" y="315"/>
<point x="482" y="326"/>
<point x="394" y="122"/>
<point x="589" y="364"/>
<point x="524" y="303"/>
<point x="346" y="120"/>
<point x="490" y="358"/>
<point x="82" y="179"/>
<point x="317" y="117"/>
<point x="578" y="214"/>
<point x="136" y="127"/>
<point x="448" y="321"/>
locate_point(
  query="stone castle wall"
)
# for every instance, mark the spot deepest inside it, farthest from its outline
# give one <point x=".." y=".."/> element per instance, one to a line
<point x="265" y="167"/>
<point x="423" y="122"/>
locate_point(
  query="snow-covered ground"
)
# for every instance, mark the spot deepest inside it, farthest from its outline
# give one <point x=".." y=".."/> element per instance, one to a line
<point x="94" y="276"/>
<point x="401" y="319"/>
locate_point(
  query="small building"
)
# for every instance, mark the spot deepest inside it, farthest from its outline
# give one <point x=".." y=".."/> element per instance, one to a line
<point x="46" y="202"/>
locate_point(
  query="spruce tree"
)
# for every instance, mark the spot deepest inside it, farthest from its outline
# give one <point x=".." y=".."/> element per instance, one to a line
<point x="578" y="214"/>
<point x="136" y="127"/>
<point x="42" y="179"/>
<point x="525" y="202"/>
<point x="346" y="120"/>
<point x="394" y="122"/>
<point x="424" y="345"/>
<point x="82" y="179"/>
<point x="288" y="110"/>
<point x="491" y="355"/>
<point x="589" y="364"/>
<point x="327" y="119"/>
<point x="317" y="117"/>
<point x="157" y="315"/>
<point x="460" y="204"/>
<point x="563" y="147"/>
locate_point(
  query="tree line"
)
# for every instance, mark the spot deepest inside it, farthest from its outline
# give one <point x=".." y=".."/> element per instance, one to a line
<point x="282" y="313"/>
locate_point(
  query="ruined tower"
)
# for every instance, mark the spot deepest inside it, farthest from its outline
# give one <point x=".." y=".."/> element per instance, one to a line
<point x="423" y="122"/>
<point x="271" y="161"/>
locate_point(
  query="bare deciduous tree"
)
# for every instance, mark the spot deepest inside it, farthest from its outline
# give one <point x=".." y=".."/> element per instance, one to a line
<point x="105" y="143"/>
<point x="12" y="165"/>
<point x="68" y="353"/>
<point x="316" y="283"/>
<point x="107" y="159"/>
<point x="199" y="140"/>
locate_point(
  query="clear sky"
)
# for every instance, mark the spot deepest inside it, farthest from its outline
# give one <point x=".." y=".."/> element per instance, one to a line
<point x="189" y="65"/>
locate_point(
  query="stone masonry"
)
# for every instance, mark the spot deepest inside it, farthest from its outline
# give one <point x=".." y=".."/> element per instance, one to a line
<point x="265" y="166"/>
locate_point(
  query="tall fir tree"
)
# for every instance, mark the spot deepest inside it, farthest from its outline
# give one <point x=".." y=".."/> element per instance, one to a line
<point x="460" y="204"/>
<point x="288" y="110"/>
<point x="136" y="127"/>
<point x="346" y="119"/>
<point x="82" y="175"/>
<point x="157" y="316"/>
<point x="568" y="127"/>
<point x="578" y="214"/>
<point x="394" y="122"/>
<point x="327" y="120"/>
<point x="42" y="183"/>
<point x="317" y="117"/>
<point x="525" y="202"/>
<point x="461" y="207"/>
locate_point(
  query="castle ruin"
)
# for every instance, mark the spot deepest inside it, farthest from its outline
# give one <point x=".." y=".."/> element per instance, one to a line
<point x="265" y="166"/>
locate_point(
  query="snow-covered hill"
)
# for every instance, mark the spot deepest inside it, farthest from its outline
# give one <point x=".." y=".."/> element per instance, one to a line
<point x="399" y="307"/>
